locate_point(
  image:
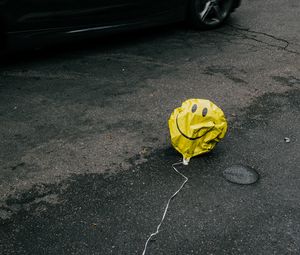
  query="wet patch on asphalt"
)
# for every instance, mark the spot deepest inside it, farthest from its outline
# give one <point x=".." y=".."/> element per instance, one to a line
<point x="289" y="81"/>
<point x="262" y="109"/>
<point x="113" y="214"/>
<point x="231" y="73"/>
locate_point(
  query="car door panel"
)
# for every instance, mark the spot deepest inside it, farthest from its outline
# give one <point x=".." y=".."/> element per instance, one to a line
<point x="47" y="14"/>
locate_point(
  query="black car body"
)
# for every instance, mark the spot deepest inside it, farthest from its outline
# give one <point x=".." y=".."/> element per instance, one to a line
<point x="23" y="21"/>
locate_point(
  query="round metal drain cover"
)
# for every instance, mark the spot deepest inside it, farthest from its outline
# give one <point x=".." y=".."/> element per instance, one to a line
<point x="241" y="174"/>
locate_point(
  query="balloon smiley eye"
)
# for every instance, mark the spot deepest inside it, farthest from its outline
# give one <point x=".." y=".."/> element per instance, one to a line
<point x="194" y="108"/>
<point x="204" y="112"/>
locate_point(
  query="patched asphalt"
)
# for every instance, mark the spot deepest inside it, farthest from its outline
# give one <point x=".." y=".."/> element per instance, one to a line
<point x="86" y="161"/>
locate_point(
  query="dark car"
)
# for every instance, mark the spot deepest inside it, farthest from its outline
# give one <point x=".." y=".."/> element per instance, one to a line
<point x="27" y="21"/>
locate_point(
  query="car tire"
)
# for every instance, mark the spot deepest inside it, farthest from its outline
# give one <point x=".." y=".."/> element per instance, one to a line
<point x="209" y="14"/>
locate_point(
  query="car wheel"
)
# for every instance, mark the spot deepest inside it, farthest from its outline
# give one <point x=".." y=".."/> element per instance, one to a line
<point x="208" y="14"/>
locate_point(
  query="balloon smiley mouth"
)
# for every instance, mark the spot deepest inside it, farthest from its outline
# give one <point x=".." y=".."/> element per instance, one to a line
<point x="192" y="138"/>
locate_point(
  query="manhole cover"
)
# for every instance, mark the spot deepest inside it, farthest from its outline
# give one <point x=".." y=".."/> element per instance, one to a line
<point x="241" y="174"/>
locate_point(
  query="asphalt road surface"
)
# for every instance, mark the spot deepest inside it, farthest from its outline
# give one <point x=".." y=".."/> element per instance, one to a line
<point x="85" y="154"/>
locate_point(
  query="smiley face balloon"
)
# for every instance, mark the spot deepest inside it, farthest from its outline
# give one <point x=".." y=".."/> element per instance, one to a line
<point x="196" y="127"/>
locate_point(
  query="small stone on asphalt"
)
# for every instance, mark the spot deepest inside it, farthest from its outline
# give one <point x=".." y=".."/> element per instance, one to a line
<point x="241" y="174"/>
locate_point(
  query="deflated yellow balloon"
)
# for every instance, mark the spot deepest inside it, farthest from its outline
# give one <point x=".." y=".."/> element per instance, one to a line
<point x="196" y="127"/>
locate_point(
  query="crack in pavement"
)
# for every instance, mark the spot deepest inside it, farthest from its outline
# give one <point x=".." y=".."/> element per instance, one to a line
<point x="262" y="33"/>
<point x="245" y="33"/>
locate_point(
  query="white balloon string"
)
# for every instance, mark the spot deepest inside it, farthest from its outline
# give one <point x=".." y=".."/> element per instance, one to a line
<point x="167" y="206"/>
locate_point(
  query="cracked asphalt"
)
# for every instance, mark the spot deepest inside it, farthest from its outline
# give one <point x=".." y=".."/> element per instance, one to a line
<point x="85" y="155"/>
